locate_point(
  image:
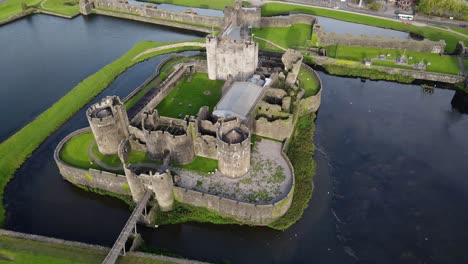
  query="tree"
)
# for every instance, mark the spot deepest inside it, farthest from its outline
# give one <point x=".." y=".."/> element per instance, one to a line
<point x="24" y="6"/>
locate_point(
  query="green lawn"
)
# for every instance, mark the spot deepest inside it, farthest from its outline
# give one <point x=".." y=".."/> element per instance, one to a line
<point x="75" y="153"/>
<point x="460" y="30"/>
<point x="164" y="72"/>
<point x="200" y="164"/>
<point x="465" y="64"/>
<point x="64" y="7"/>
<point x="188" y="96"/>
<point x="10" y="8"/>
<point x="271" y="9"/>
<point x="287" y="37"/>
<point x="210" y="4"/>
<point x="442" y="64"/>
<point x="308" y="83"/>
<point x="17" y="148"/>
<point x="28" y="251"/>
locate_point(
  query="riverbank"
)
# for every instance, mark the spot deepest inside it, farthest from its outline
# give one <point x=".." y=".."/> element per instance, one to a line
<point x="25" y="248"/>
<point x="11" y="10"/>
<point x="17" y="148"/>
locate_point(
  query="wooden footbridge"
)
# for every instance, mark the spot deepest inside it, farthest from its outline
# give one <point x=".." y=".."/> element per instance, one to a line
<point x="128" y="230"/>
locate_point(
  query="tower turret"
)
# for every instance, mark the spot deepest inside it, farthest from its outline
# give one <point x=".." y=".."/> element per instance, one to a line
<point x="233" y="147"/>
<point x="109" y="123"/>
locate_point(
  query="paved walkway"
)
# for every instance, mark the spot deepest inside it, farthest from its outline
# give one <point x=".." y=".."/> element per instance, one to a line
<point x="99" y="162"/>
<point x="170" y="46"/>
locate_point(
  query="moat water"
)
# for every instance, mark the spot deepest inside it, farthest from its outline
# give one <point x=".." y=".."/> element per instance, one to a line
<point x="391" y="183"/>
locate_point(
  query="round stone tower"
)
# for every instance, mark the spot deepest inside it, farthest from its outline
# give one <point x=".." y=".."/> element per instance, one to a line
<point x="233" y="147"/>
<point x="109" y="122"/>
<point x="162" y="186"/>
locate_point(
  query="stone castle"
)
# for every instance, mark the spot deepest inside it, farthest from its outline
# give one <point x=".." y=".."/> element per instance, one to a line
<point x="249" y="105"/>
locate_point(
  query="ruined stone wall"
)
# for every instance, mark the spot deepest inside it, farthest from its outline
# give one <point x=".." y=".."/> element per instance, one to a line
<point x="378" y="42"/>
<point x="279" y="129"/>
<point x="312" y="103"/>
<point x="226" y="57"/>
<point x="287" y="21"/>
<point x="165" y="88"/>
<point x="160" y="14"/>
<point x="180" y="147"/>
<point x="238" y="15"/>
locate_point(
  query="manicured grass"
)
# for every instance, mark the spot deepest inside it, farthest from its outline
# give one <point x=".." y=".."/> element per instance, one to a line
<point x="187" y="97"/>
<point x="75" y="153"/>
<point x="210" y="4"/>
<point x="308" y="83"/>
<point x="183" y="213"/>
<point x="442" y="64"/>
<point x="11" y="8"/>
<point x="164" y="72"/>
<point x="28" y="251"/>
<point x="460" y="30"/>
<point x="200" y="164"/>
<point x="17" y="148"/>
<point x="64" y="7"/>
<point x="300" y="152"/>
<point x="287" y="37"/>
<point x="435" y="34"/>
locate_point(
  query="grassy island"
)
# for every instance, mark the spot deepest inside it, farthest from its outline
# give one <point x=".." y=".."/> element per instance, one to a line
<point x="217" y="4"/>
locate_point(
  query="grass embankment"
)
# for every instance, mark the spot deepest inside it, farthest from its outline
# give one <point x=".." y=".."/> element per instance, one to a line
<point x="435" y="34"/>
<point x="11" y="8"/>
<point x="15" y="250"/>
<point x="300" y="152"/>
<point x="17" y="148"/>
<point x="164" y="72"/>
<point x="308" y="82"/>
<point x="183" y="213"/>
<point x="287" y="37"/>
<point x="209" y="4"/>
<point x="191" y="93"/>
<point x="64" y="7"/>
<point x="442" y="64"/>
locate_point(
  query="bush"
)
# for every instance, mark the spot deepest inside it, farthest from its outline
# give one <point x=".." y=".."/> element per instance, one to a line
<point x="374" y="6"/>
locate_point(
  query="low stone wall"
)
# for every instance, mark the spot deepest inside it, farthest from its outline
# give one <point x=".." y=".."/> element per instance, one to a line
<point x="18" y="16"/>
<point x="152" y="20"/>
<point x="102" y="180"/>
<point x="425" y="45"/>
<point x="160" y="14"/>
<point x="312" y="103"/>
<point x="287" y="21"/>
<point x="418" y="75"/>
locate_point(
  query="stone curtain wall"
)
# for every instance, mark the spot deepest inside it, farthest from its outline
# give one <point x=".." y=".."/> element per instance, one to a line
<point x="425" y="45"/>
<point x="160" y="14"/>
<point x="92" y="178"/>
<point x="166" y="88"/>
<point x="287" y="21"/>
<point x="279" y="129"/>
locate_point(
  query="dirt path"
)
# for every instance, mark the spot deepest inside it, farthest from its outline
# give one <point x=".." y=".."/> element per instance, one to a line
<point x="170" y="46"/>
